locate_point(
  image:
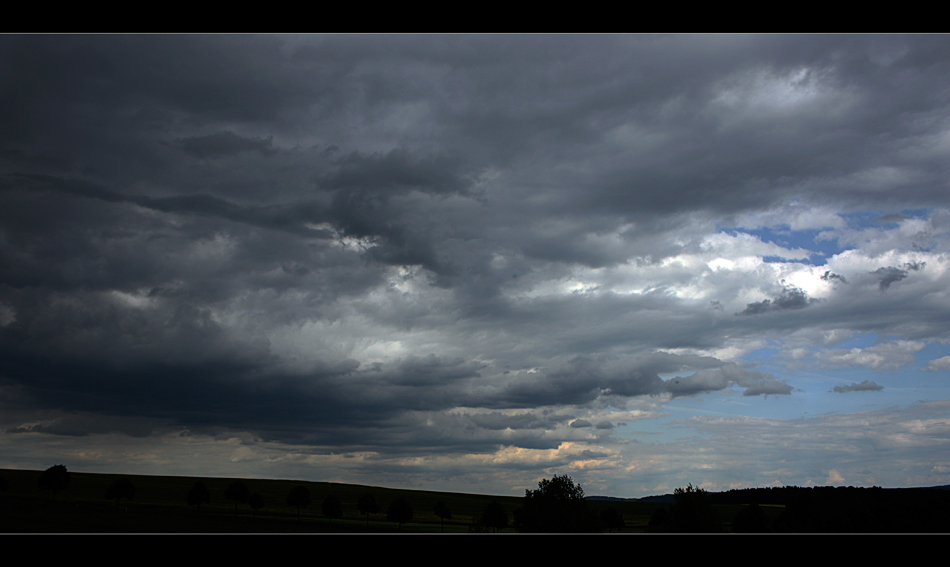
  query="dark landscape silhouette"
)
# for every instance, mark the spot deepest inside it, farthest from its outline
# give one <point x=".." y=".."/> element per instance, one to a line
<point x="61" y="501"/>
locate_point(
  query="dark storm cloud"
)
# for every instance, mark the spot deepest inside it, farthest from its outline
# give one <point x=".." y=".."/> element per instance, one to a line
<point x="89" y="354"/>
<point x="478" y="104"/>
<point x="82" y="425"/>
<point x="864" y="386"/>
<point x="191" y="375"/>
<point x="716" y="109"/>
<point x="397" y="171"/>
<point x="329" y="404"/>
<point x="397" y="240"/>
<point x="237" y="77"/>
<point x="431" y="370"/>
<point x="579" y="380"/>
<point x="893" y="274"/>
<point x="225" y="143"/>
<point x="297" y="218"/>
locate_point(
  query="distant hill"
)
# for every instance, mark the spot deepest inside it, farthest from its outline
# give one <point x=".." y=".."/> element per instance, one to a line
<point x="660" y="499"/>
<point x="669" y="499"/>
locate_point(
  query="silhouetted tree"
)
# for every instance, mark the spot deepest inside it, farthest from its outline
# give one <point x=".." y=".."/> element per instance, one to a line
<point x="238" y="492"/>
<point x="54" y="479"/>
<point x="367" y="505"/>
<point x="612" y="519"/>
<point x="299" y="496"/>
<point x="494" y="516"/>
<point x="199" y="495"/>
<point x="692" y="513"/>
<point x="332" y="508"/>
<point x="557" y="505"/>
<point x="560" y="488"/>
<point x="256" y="501"/>
<point x="441" y="509"/>
<point x="3" y="484"/>
<point x="400" y="512"/>
<point x="119" y="489"/>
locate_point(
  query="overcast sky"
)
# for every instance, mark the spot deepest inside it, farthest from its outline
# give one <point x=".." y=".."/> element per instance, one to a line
<point x="471" y="262"/>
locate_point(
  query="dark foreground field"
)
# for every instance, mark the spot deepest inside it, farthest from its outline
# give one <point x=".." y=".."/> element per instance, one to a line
<point x="160" y="506"/>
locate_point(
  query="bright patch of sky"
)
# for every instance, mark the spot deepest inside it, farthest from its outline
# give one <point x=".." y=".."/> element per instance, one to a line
<point x="836" y="235"/>
<point x="895" y="365"/>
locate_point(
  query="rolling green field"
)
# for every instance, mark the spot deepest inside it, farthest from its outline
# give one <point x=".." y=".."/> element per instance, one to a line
<point x="160" y="506"/>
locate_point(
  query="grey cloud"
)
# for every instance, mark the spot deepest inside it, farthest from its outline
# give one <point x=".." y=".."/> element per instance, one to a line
<point x="884" y="355"/>
<point x="791" y="298"/>
<point x="454" y="432"/>
<point x="585" y="378"/>
<point x="225" y="143"/>
<point x="581" y="423"/>
<point x="892" y="217"/>
<point x="710" y="380"/>
<point x="864" y="386"/>
<point x="297" y="218"/>
<point x="580" y="380"/>
<point x="702" y="381"/>
<point x="224" y="76"/>
<point x="399" y="170"/>
<point x="528" y="391"/>
<point x="82" y="425"/>
<point x="587" y="454"/>
<point x="828" y="276"/>
<point x="431" y="370"/>
<point x="938" y="364"/>
<point x="499" y="421"/>
<point x="169" y="363"/>
<point x="768" y="387"/>
<point x="892" y="274"/>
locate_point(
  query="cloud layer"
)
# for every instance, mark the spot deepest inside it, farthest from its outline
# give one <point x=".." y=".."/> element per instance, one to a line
<point x="464" y="249"/>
